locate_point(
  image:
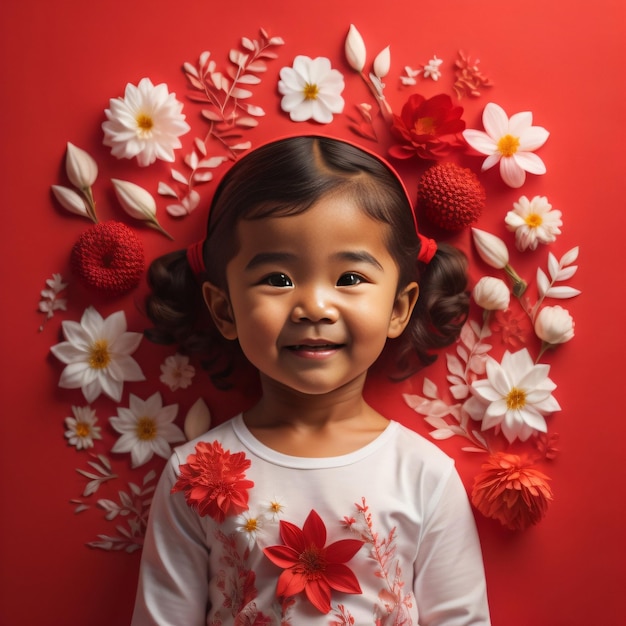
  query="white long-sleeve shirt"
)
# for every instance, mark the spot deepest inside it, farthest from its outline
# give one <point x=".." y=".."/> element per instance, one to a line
<point x="419" y="560"/>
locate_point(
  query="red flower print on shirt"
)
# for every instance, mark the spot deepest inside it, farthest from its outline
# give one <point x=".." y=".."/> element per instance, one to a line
<point x="311" y="566"/>
<point x="213" y="481"/>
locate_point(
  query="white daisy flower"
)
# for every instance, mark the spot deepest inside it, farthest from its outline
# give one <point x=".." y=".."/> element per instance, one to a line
<point x="250" y="525"/>
<point x="515" y="396"/>
<point x="534" y="222"/>
<point x="97" y="355"/>
<point x="82" y="429"/>
<point x="146" y="428"/>
<point x="311" y="89"/>
<point x="146" y="123"/>
<point x="510" y="142"/>
<point x="176" y="372"/>
<point x="275" y="508"/>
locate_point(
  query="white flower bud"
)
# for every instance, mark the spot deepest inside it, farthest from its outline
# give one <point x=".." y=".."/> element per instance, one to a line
<point x="492" y="249"/>
<point x="80" y="167"/>
<point x="70" y="200"/>
<point x="135" y="200"/>
<point x="492" y="294"/>
<point x="554" y="325"/>
<point x="382" y="63"/>
<point x="355" y="49"/>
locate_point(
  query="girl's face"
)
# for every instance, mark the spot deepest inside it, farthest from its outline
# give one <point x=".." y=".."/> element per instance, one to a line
<point x="312" y="298"/>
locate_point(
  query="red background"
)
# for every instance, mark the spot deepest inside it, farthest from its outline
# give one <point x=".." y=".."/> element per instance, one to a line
<point x="63" y="60"/>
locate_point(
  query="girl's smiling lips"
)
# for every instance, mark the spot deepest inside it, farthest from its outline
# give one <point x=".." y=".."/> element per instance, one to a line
<point x="314" y="348"/>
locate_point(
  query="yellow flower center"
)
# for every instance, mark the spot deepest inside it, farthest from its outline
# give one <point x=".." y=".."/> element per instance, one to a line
<point x="275" y="507"/>
<point x="99" y="357"/>
<point x="146" y="429"/>
<point x="508" y="145"/>
<point x="533" y="220"/>
<point x="145" y="123"/>
<point x="82" y="429"/>
<point x="516" y="399"/>
<point x="251" y="525"/>
<point x="425" y="126"/>
<point x="311" y="91"/>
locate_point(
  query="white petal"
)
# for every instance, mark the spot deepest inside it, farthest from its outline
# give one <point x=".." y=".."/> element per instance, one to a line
<point x="495" y="121"/>
<point x="530" y="162"/>
<point x="520" y="123"/>
<point x="480" y="141"/>
<point x="512" y="174"/>
<point x="532" y="138"/>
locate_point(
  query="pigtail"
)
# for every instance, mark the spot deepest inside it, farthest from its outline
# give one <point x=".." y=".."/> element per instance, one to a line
<point x="442" y="307"/>
<point x="180" y="317"/>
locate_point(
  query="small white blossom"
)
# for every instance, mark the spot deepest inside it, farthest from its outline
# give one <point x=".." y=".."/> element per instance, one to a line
<point x="311" y="89"/>
<point x="80" y="167"/>
<point x="511" y="142"/>
<point x="146" y="428"/>
<point x="431" y="69"/>
<point x="491" y="249"/>
<point x="382" y="63"/>
<point x="97" y="355"/>
<point x="82" y="429"/>
<point x="146" y="123"/>
<point x="176" y="372"/>
<point x="250" y="525"/>
<point x="534" y="222"/>
<point x="515" y="396"/>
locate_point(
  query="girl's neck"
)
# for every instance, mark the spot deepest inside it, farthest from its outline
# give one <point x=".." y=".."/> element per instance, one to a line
<point x="313" y="425"/>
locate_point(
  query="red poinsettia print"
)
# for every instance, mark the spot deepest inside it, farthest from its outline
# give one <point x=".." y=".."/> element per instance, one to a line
<point x="213" y="481"/>
<point x="430" y="128"/>
<point x="310" y="565"/>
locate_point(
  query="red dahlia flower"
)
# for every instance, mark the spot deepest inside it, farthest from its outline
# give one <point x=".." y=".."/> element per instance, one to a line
<point x="310" y="566"/>
<point x="213" y="481"/>
<point x="429" y="128"/>
<point x="511" y="491"/>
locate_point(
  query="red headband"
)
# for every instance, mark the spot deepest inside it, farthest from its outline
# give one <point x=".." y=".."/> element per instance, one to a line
<point x="428" y="247"/>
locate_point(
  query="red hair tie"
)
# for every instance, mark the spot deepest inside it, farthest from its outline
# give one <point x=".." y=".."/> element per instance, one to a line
<point x="195" y="258"/>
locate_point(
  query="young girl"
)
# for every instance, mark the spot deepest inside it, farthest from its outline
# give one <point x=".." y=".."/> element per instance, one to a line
<point x="311" y="507"/>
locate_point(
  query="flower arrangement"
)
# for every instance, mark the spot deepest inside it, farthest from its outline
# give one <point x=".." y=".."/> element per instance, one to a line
<point x="500" y="401"/>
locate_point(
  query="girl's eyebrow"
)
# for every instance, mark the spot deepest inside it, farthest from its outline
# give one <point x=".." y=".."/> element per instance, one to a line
<point x="352" y="256"/>
<point x="265" y="258"/>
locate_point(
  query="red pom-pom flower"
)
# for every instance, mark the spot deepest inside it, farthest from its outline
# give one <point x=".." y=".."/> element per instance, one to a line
<point x="109" y="258"/>
<point x="450" y="196"/>
<point x="429" y="128"/>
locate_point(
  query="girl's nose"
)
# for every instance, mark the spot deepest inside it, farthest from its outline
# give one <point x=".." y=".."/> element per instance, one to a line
<point x="314" y="305"/>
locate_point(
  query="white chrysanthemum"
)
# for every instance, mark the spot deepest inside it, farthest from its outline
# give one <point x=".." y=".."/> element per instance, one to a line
<point x="146" y="428"/>
<point x="534" y="222"/>
<point x="176" y="372"/>
<point x="82" y="429"/>
<point x="146" y="123"/>
<point x="510" y="142"/>
<point x="515" y="396"/>
<point x="97" y="353"/>
<point x="311" y="89"/>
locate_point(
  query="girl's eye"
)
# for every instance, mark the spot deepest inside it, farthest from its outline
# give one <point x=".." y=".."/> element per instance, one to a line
<point x="278" y="280"/>
<point x="349" y="279"/>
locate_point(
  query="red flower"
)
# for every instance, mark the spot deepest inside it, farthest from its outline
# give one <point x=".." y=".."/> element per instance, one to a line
<point x="310" y="566"/>
<point x="429" y="127"/>
<point x="511" y="491"/>
<point x="214" y="482"/>
<point x="108" y="257"/>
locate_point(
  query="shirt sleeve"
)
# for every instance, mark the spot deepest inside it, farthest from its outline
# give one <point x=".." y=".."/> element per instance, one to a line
<point x="450" y="585"/>
<point x="173" y="575"/>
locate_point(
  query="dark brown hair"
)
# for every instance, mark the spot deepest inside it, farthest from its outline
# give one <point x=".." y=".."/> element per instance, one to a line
<point x="287" y="177"/>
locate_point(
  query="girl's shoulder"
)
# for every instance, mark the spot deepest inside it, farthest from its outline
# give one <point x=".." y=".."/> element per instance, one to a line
<point x="223" y="434"/>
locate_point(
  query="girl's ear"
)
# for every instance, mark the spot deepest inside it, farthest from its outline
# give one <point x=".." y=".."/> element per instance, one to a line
<point x="218" y="303"/>
<point x="402" y="309"/>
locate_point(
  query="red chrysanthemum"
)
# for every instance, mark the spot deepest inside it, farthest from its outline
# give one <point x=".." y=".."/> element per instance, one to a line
<point x="310" y="566"/>
<point x="450" y="196"/>
<point x="109" y="258"/>
<point x="511" y="490"/>
<point x="213" y="481"/>
<point x="430" y="128"/>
